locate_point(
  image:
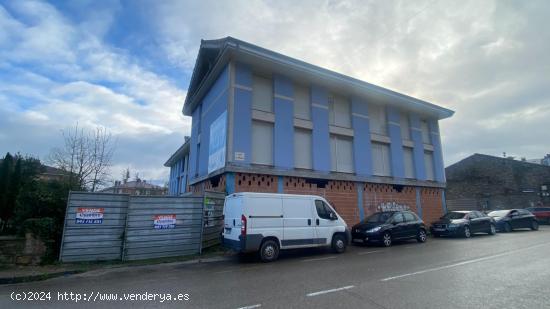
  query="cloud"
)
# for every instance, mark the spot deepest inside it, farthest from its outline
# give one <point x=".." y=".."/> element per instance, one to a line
<point x="58" y="72"/>
<point x="125" y="66"/>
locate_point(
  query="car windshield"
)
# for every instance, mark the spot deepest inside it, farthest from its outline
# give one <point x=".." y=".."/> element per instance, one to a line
<point x="498" y="213"/>
<point x="380" y="217"/>
<point x="454" y="215"/>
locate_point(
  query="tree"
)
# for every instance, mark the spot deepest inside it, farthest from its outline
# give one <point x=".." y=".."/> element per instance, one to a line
<point x="85" y="156"/>
<point x="15" y="172"/>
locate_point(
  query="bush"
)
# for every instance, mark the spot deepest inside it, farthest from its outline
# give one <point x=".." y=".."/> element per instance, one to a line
<point x="43" y="229"/>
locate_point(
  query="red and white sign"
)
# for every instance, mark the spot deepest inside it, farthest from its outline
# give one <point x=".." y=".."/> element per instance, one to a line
<point x="86" y="215"/>
<point x="164" y="221"/>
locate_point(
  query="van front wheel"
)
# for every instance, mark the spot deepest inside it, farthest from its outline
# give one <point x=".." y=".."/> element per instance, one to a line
<point x="338" y="243"/>
<point x="269" y="251"/>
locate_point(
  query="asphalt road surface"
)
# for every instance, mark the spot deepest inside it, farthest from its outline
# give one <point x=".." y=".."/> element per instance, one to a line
<point x="503" y="271"/>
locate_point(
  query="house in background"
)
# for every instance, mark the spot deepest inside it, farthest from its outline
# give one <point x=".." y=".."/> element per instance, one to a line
<point x="485" y="182"/>
<point x="178" y="164"/>
<point x="265" y="122"/>
<point x="135" y="187"/>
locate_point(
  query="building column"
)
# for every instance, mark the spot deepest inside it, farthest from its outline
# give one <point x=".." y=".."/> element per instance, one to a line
<point x="242" y="116"/>
<point x="439" y="168"/>
<point x="283" y="135"/>
<point x="396" y="145"/>
<point x="362" y="148"/>
<point x="418" y="149"/>
<point x="359" y="188"/>
<point x="320" y="133"/>
<point x="418" y="203"/>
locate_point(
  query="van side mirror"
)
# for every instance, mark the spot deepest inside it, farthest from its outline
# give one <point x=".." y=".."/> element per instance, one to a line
<point x="333" y="216"/>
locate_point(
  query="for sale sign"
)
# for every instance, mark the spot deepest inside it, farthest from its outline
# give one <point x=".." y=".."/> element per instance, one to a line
<point x="86" y="215"/>
<point x="162" y="222"/>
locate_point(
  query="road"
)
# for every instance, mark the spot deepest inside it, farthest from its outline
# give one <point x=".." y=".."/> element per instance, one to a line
<point x="502" y="271"/>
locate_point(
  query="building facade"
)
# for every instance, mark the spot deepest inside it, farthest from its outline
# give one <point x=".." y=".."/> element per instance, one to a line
<point x="485" y="182"/>
<point x="179" y="165"/>
<point x="265" y="122"/>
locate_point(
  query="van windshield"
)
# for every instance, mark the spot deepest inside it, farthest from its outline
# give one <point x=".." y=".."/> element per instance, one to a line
<point x="380" y="217"/>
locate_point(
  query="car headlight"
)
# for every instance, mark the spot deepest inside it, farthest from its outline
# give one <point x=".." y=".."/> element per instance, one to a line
<point x="374" y="230"/>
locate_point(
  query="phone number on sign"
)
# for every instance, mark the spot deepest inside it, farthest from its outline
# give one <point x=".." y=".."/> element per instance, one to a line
<point x="97" y="296"/>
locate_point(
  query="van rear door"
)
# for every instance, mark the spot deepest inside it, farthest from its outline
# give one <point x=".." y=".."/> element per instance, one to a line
<point x="232" y="210"/>
<point x="299" y="229"/>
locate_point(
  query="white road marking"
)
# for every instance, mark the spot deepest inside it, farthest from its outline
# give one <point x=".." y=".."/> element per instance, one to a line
<point x="319" y="259"/>
<point x="369" y="252"/>
<point x="330" y="291"/>
<point x="461" y="263"/>
<point x="251" y="306"/>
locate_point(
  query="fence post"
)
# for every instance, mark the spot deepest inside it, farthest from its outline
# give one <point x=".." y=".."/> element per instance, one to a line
<point x="202" y="221"/>
<point x="125" y="233"/>
<point x="64" y="227"/>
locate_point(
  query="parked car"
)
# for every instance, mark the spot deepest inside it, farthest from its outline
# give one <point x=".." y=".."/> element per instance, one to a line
<point x="463" y="223"/>
<point x="386" y="227"/>
<point x="541" y="213"/>
<point x="267" y="223"/>
<point x="508" y="220"/>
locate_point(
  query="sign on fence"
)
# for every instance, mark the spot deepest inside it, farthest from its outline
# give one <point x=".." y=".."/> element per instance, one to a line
<point x="161" y="222"/>
<point x="89" y="215"/>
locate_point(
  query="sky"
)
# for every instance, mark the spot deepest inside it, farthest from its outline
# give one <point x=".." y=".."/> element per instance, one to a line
<point x="126" y="65"/>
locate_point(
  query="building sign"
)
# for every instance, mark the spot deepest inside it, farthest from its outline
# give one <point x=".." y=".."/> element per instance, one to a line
<point x="89" y="215"/>
<point x="239" y="156"/>
<point x="392" y="206"/>
<point x="162" y="222"/>
<point x="216" y="147"/>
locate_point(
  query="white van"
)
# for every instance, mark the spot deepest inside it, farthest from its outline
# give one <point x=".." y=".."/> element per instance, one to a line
<point x="268" y="222"/>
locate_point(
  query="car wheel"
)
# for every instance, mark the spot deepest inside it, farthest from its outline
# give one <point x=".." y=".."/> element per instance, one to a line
<point x="386" y="239"/>
<point x="534" y="225"/>
<point x="492" y="230"/>
<point x="507" y="227"/>
<point x="467" y="232"/>
<point x="338" y="243"/>
<point x="269" y="251"/>
<point x="421" y="237"/>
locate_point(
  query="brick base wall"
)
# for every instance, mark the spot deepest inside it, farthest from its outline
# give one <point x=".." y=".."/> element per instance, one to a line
<point x="342" y="195"/>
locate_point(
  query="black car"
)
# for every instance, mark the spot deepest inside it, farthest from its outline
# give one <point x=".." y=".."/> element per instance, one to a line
<point x="508" y="220"/>
<point x="463" y="223"/>
<point x="385" y="227"/>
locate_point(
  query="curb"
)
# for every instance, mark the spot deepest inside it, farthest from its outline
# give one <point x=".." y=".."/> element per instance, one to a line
<point x="46" y="276"/>
<point x="31" y="278"/>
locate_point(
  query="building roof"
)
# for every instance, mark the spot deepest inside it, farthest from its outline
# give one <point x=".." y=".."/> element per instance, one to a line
<point x="134" y="184"/>
<point x="215" y="54"/>
<point x="180" y="153"/>
<point x="508" y="160"/>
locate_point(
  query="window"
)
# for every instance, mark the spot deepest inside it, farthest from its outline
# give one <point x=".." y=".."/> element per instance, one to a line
<point x="302" y="108"/>
<point x="425" y="132"/>
<point x="302" y="148"/>
<point x="472" y="215"/>
<point x="323" y="211"/>
<point x="377" y="118"/>
<point x="409" y="217"/>
<point x="381" y="159"/>
<point x="262" y="94"/>
<point x="429" y="163"/>
<point x="341" y="153"/>
<point x="405" y="126"/>
<point x="339" y="111"/>
<point x="398" y="218"/>
<point x="409" y="162"/>
<point x="262" y="143"/>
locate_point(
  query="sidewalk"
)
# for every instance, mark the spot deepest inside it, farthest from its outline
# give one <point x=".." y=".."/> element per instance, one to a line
<point x="20" y="274"/>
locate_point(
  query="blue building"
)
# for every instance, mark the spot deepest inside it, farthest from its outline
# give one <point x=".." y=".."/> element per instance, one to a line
<point x="262" y="121"/>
